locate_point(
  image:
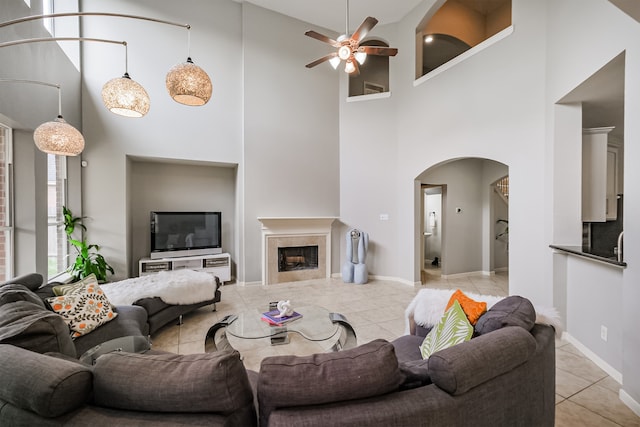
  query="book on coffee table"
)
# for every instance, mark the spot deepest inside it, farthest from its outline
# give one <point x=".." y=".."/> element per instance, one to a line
<point x="273" y="317"/>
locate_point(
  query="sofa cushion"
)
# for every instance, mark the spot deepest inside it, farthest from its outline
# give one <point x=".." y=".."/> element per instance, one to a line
<point x="14" y="292"/>
<point x="84" y="309"/>
<point x="207" y="382"/>
<point x="472" y="308"/>
<point x="30" y="326"/>
<point x="511" y="311"/>
<point x="364" y="371"/>
<point x="48" y="386"/>
<point x="31" y="281"/>
<point x="453" y="328"/>
<point x="458" y="369"/>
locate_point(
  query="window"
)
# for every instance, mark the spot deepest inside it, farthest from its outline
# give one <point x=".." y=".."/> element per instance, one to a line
<point x="456" y="27"/>
<point x="6" y="204"/>
<point x="47" y="8"/>
<point x="56" y="191"/>
<point x="374" y="73"/>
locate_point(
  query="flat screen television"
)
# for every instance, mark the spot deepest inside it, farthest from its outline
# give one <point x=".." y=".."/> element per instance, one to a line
<point x="176" y="234"/>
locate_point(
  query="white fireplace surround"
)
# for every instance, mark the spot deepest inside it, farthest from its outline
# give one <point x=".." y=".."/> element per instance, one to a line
<point x="295" y="231"/>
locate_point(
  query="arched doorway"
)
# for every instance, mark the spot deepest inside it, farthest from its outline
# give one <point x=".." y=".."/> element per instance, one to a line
<point x="471" y="223"/>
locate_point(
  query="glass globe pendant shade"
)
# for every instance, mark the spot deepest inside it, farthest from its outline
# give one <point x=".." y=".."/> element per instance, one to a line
<point x="335" y="61"/>
<point x="349" y="67"/>
<point x="58" y="137"/>
<point x="189" y="84"/>
<point x="360" y="57"/>
<point x="125" y="97"/>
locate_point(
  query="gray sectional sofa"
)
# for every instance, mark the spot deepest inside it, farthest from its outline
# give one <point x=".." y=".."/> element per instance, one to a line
<point x="505" y="376"/>
<point x="26" y="322"/>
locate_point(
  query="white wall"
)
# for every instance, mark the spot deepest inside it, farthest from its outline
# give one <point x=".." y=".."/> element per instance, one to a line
<point x="290" y="128"/>
<point x="575" y="53"/>
<point x="27" y="106"/>
<point x="212" y="133"/>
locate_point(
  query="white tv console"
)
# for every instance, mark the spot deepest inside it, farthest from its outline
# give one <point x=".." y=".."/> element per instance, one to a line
<point x="218" y="265"/>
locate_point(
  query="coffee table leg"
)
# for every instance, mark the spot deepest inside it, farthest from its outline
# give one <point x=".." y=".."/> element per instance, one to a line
<point x="210" y="344"/>
<point x="347" y="336"/>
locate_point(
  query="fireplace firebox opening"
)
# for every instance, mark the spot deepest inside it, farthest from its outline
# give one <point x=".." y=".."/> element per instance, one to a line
<point x="294" y="258"/>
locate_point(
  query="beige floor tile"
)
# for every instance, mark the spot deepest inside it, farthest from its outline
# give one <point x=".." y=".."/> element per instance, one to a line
<point x="568" y="384"/>
<point x="569" y="414"/>
<point x="194" y="347"/>
<point x="606" y="403"/>
<point x="578" y="365"/>
<point x="559" y="398"/>
<point x="610" y="383"/>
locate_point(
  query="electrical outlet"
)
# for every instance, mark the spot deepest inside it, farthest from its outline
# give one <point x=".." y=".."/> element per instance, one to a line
<point x="384" y="217"/>
<point x="603" y="333"/>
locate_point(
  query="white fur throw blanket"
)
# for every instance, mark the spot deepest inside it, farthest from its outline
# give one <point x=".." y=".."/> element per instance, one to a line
<point x="428" y="306"/>
<point x="179" y="287"/>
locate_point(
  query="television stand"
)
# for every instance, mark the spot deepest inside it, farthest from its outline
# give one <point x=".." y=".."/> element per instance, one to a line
<point x="218" y="265"/>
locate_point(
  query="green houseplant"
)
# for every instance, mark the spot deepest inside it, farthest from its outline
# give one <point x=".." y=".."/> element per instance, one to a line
<point x="88" y="260"/>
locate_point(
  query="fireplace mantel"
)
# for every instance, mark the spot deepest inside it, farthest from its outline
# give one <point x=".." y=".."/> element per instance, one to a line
<point x="294" y="231"/>
<point x="292" y="224"/>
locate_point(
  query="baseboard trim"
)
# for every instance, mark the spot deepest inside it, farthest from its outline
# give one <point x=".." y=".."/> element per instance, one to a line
<point x="612" y="372"/>
<point x="467" y="274"/>
<point x="630" y="402"/>
<point x="387" y="278"/>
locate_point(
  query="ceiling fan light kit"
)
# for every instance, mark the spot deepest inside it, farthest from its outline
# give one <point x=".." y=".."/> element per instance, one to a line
<point x="348" y="47"/>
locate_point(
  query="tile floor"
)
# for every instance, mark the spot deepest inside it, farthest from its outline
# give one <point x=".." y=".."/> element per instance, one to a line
<point x="585" y="395"/>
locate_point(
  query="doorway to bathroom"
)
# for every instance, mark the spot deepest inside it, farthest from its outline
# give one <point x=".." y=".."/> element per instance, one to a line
<point x="432" y="229"/>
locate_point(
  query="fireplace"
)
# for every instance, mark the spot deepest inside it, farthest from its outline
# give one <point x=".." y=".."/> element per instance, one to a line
<point x="294" y="258"/>
<point x="295" y="249"/>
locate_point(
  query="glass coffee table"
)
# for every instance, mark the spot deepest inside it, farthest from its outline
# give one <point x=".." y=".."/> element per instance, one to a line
<point x="316" y="324"/>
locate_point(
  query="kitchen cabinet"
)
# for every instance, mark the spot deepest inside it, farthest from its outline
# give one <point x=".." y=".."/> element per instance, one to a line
<point x="613" y="186"/>
<point x="599" y="176"/>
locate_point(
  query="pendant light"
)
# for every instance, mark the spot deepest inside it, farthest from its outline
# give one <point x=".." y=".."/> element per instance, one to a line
<point x="124" y="96"/>
<point x="187" y="83"/>
<point x="121" y="95"/>
<point x="55" y="137"/>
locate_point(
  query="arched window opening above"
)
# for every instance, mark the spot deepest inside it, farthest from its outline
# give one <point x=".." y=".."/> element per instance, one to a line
<point x="374" y="73"/>
<point x="454" y="28"/>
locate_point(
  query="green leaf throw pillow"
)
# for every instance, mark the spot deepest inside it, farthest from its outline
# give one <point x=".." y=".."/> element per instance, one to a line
<point x="76" y="287"/>
<point x="453" y="328"/>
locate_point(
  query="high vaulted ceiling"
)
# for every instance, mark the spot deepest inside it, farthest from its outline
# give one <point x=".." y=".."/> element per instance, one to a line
<point x="331" y="13"/>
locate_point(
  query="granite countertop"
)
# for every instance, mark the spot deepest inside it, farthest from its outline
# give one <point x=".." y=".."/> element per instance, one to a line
<point x="583" y="252"/>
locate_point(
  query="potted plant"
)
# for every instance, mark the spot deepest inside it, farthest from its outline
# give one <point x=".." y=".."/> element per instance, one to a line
<point x="88" y="260"/>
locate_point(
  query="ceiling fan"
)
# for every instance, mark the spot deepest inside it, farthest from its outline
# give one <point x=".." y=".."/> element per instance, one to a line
<point x="348" y="47"/>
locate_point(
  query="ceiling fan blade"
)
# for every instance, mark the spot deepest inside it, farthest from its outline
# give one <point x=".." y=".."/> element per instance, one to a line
<point x="364" y="28"/>
<point x="322" y="38"/>
<point x="321" y="60"/>
<point x="378" y="50"/>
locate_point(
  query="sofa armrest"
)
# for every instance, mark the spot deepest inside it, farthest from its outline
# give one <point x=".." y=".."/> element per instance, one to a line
<point x="459" y="368"/>
<point x="41" y="384"/>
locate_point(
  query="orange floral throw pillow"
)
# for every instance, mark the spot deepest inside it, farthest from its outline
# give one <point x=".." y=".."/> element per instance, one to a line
<point x="472" y="308"/>
<point x="83" y="310"/>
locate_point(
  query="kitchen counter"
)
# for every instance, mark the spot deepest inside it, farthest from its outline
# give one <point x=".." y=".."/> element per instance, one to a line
<point x="579" y="251"/>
